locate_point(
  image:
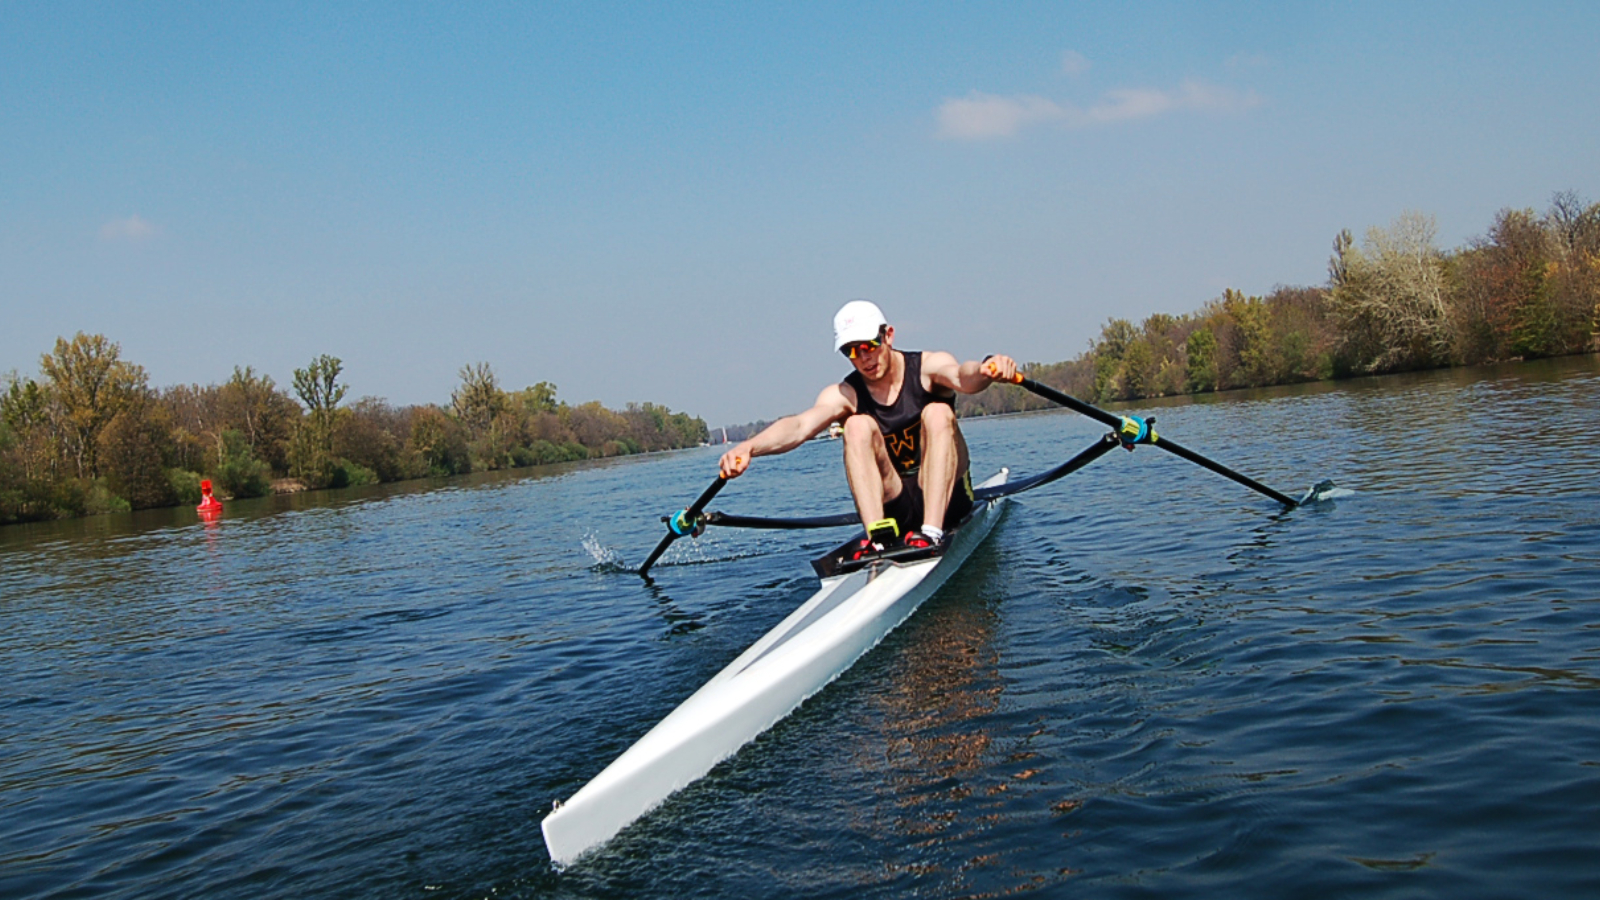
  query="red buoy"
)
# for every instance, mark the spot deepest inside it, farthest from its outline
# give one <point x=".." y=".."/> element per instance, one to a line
<point x="209" y="505"/>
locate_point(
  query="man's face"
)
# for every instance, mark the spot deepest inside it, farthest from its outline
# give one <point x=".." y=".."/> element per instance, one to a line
<point x="873" y="362"/>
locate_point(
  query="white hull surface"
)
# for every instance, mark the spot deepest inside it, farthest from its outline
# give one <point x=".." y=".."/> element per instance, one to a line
<point x="848" y="616"/>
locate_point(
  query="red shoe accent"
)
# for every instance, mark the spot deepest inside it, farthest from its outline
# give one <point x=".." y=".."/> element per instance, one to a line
<point x="864" y="548"/>
<point x="917" y="540"/>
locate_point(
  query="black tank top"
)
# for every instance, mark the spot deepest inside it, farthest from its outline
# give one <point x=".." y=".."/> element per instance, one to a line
<point x="901" y="422"/>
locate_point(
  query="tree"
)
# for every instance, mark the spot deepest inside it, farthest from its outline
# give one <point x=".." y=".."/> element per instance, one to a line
<point x="318" y="388"/>
<point x="1576" y="225"/>
<point x="25" y="411"/>
<point x="239" y="472"/>
<point x="1259" y="360"/>
<point x="317" y="385"/>
<point x="440" y="442"/>
<point x="1201" y="373"/>
<point x="1389" y="295"/>
<point x="254" y="406"/>
<point x="540" y="398"/>
<point x="130" y="452"/>
<point x="373" y="435"/>
<point x="1572" y="280"/>
<point x="479" y="400"/>
<point x="1139" y="369"/>
<point x="89" y="384"/>
<point x="1115" y="337"/>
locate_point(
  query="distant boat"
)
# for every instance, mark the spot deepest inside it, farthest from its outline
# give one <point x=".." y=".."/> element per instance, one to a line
<point x="834" y="432"/>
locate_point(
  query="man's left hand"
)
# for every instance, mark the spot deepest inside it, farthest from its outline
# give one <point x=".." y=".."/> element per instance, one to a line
<point x="1000" y="368"/>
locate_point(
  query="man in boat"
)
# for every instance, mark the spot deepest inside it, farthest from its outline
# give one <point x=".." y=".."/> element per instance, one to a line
<point x="904" y="454"/>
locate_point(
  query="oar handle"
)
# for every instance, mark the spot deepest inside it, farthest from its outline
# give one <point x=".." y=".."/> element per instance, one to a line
<point x="685" y="518"/>
<point x="1167" y="444"/>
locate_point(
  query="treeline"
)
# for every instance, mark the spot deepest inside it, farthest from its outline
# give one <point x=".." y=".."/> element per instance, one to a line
<point x="89" y="435"/>
<point x="1529" y="288"/>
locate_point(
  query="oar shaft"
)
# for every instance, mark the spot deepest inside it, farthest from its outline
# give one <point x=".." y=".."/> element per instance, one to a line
<point x="1070" y="402"/>
<point x="1100" y="415"/>
<point x="1176" y="449"/>
<point x="690" y="514"/>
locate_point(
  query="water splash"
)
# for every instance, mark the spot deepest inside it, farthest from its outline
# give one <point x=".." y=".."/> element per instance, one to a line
<point x="1325" y="490"/>
<point x="606" y="560"/>
<point x="707" y="550"/>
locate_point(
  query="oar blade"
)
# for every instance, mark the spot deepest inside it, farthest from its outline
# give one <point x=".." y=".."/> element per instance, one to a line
<point x="1322" y="490"/>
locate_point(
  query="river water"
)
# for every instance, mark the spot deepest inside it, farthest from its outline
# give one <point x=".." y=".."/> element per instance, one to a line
<point x="1148" y="682"/>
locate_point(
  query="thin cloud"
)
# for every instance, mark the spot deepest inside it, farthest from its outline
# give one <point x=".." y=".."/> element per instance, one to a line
<point x="133" y="228"/>
<point x="1074" y="63"/>
<point x="979" y="116"/>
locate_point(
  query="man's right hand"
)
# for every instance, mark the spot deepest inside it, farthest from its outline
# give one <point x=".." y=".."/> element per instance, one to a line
<point x="735" y="461"/>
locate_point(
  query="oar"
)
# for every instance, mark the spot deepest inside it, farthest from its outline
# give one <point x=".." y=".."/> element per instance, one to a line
<point x="686" y="521"/>
<point x="1137" y="431"/>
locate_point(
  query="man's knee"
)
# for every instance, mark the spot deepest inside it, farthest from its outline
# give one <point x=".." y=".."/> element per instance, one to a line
<point x="938" y="418"/>
<point x="860" y="427"/>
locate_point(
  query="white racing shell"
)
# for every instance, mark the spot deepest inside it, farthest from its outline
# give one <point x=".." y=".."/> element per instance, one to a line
<point x="815" y="644"/>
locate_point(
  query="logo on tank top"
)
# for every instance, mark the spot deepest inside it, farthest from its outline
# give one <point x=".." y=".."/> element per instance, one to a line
<point x="902" y="446"/>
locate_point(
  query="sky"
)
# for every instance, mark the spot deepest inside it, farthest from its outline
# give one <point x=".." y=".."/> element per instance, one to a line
<point x="667" y="202"/>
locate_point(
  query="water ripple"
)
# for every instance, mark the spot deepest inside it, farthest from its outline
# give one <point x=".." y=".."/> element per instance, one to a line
<point x="1148" y="682"/>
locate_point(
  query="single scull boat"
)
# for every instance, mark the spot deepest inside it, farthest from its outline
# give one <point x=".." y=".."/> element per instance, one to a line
<point x="856" y="606"/>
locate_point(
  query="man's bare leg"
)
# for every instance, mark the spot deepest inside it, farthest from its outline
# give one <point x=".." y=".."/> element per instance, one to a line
<point x="944" y="454"/>
<point x="873" y="479"/>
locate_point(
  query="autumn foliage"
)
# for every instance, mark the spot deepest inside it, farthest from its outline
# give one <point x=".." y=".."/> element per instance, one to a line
<point x="1529" y="288"/>
<point x="90" y="436"/>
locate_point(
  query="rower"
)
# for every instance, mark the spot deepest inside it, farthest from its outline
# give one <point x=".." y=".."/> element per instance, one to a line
<point x="904" y="454"/>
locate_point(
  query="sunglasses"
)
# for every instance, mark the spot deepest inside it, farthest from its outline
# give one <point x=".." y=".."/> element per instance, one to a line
<point x="851" y="350"/>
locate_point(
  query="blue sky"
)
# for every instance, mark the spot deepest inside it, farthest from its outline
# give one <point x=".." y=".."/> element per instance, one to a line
<point x="667" y="202"/>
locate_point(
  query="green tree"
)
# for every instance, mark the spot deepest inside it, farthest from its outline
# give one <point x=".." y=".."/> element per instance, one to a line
<point x="1201" y="369"/>
<point x="1259" y="360"/>
<point x="318" y="387"/>
<point x="239" y="472"/>
<point x="25" y="409"/>
<point x="540" y="398"/>
<point x="254" y="406"/>
<point x="1108" y="351"/>
<point x="130" y="453"/>
<point x="439" y="442"/>
<point x="89" y="384"/>
<point x="1139" y="369"/>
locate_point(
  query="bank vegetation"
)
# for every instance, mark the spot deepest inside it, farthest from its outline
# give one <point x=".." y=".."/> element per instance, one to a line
<point x="90" y="435"/>
<point x="1527" y="289"/>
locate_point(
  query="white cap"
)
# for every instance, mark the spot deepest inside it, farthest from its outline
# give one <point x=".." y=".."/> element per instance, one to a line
<point x="858" y="320"/>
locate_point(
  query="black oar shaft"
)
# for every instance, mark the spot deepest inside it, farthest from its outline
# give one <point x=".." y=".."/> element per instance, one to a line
<point x="837" y="520"/>
<point x="689" y="515"/>
<point x="1070" y="402"/>
<point x="1184" y="452"/>
<point x="1098" y="449"/>
<point x="1115" y="421"/>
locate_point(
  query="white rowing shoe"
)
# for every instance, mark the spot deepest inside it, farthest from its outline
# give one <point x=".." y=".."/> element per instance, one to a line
<point x="854" y="609"/>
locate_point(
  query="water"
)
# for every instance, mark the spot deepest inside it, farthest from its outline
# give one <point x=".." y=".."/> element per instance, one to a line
<point x="1148" y="682"/>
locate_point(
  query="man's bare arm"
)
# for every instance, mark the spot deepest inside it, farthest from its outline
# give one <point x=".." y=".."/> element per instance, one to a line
<point x="968" y="377"/>
<point x="788" y="432"/>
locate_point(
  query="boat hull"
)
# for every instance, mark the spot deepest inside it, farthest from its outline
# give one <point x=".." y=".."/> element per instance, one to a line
<point x="815" y="644"/>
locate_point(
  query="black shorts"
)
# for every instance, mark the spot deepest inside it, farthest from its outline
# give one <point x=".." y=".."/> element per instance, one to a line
<point x="906" y="509"/>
